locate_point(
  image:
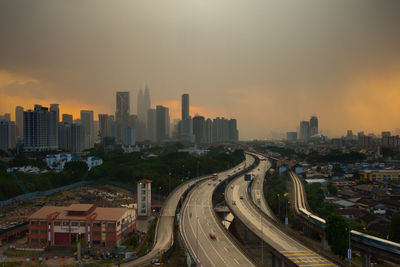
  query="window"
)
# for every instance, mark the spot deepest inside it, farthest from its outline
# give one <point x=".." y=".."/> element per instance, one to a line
<point x="42" y="232"/>
<point x="34" y="222"/>
<point x="110" y="224"/>
<point x="34" y="232"/>
<point x="43" y="223"/>
<point x="119" y="223"/>
<point x="143" y="211"/>
<point x="57" y="223"/>
<point x="65" y="223"/>
<point x="74" y="224"/>
<point x="82" y="224"/>
<point x="96" y="233"/>
<point x="43" y="241"/>
<point x="97" y="224"/>
<point x="34" y="240"/>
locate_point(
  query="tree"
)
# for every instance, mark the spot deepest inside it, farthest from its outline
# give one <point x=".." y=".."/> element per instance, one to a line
<point x="76" y="168"/>
<point x="337" y="234"/>
<point x="394" y="232"/>
<point x="332" y="190"/>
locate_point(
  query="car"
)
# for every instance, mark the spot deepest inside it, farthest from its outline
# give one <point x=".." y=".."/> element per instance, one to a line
<point x="241" y="197"/>
<point x="212" y="235"/>
<point x="233" y="202"/>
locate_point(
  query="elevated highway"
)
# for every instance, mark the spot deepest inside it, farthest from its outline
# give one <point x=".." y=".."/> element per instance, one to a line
<point x="261" y="221"/>
<point x="199" y="224"/>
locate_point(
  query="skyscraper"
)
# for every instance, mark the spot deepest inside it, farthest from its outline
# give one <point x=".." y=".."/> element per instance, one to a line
<point x="304" y="130"/>
<point x="105" y="125"/>
<point x="140" y="105"/>
<point x="40" y="129"/>
<point x="151" y="125"/>
<point x="87" y="124"/>
<point x="146" y="102"/>
<point x="122" y="107"/>
<point x="19" y="120"/>
<point x="199" y="129"/>
<point x="55" y="108"/>
<point x="7" y="135"/>
<point x="67" y="119"/>
<point x="313" y="125"/>
<point x="185" y="106"/>
<point x="233" y="131"/>
<point x="162" y="123"/>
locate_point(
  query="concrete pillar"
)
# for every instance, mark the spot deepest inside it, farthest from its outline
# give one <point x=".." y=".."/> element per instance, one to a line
<point x="275" y="261"/>
<point x="366" y="259"/>
<point x="324" y="243"/>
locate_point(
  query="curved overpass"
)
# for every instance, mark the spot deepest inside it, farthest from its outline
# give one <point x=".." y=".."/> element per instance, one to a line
<point x="284" y="247"/>
<point x="199" y="220"/>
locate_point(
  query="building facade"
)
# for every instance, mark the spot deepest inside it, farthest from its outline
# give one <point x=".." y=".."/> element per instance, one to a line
<point x="63" y="226"/>
<point x="7" y="135"/>
<point x="144" y="197"/>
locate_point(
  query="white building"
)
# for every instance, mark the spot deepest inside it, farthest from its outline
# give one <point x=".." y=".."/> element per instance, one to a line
<point x="144" y="197"/>
<point x="57" y="161"/>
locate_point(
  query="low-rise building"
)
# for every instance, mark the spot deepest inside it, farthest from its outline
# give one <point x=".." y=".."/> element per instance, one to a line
<point x="382" y="175"/>
<point x="97" y="227"/>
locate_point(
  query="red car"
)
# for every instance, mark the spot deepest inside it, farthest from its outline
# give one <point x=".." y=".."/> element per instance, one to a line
<point x="213" y="236"/>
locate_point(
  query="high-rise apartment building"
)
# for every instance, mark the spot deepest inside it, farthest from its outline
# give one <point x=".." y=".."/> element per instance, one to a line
<point x="5" y="117"/>
<point x="19" y="120"/>
<point x="67" y="119"/>
<point x="313" y="125"/>
<point x="233" y="131"/>
<point x="151" y="125"/>
<point x="7" y="135"/>
<point x="143" y="104"/>
<point x="40" y="129"/>
<point x="146" y="103"/>
<point x="55" y="108"/>
<point x="129" y="136"/>
<point x="304" y="130"/>
<point x="291" y="136"/>
<point x="122" y="107"/>
<point x="185" y="106"/>
<point x="199" y="129"/>
<point x="162" y="123"/>
<point x="88" y="128"/>
<point x="71" y="137"/>
<point x="208" y="131"/>
<point x="106" y="124"/>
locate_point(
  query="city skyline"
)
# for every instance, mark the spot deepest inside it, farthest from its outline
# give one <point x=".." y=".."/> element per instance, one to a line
<point x="283" y="61"/>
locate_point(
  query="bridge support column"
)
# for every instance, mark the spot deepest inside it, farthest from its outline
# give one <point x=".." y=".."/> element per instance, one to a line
<point x="366" y="259"/>
<point x="277" y="262"/>
<point x="324" y="243"/>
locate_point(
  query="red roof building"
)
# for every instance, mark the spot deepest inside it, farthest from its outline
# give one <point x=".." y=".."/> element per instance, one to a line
<point x="98" y="227"/>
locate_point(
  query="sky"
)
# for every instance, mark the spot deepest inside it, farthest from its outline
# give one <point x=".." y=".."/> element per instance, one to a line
<point x="269" y="64"/>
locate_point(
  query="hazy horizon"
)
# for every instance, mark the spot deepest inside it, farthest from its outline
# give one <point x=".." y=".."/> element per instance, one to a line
<point x="268" y="64"/>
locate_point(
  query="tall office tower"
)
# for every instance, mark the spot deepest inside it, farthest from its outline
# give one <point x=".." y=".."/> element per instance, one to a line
<point x="55" y="108"/>
<point x="123" y="107"/>
<point x="129" y="136"/>
<point x="139" y="126"/>
<point x="233" y="131"/>
<point x="87" y="123"/>
<point x="7" y="135"/>
<point x="199" y="129"/>
<point x="67" y="119"/>
<point x="151" y="125"/>
<point x="105" y="125"/>
<point x="208" y="131"/>
<point x="386" y="134"/>
<point x="19" y="120"/>
<point x="140" y="105"/>
<point x="304" y="130"/>
<point x="71" y="137"/>
<point x="146" y="102"/>
<point x="40" y="129"/>
<point x="162" y="123"/>
<point x="313" y="125"/>
<point x="350" y="136"/>
<point x="122" y="114"/>
<point x="185" y="106"/>
<point x="5" y="117"/>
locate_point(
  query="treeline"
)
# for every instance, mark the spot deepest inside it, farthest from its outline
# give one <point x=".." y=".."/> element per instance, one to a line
<point x="166" y="171"/>
<point x="316" y="201"/>
<point x="335" y="156"/>
<point x="276" y="194"/>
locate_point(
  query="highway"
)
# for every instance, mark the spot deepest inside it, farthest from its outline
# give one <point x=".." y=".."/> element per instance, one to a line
<point x="300" y="196"/>
<point x="245" y="210"/>
<point x="199" y="220"/>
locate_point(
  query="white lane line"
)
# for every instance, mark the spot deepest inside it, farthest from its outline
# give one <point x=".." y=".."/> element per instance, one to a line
<point x="236" y="261"/>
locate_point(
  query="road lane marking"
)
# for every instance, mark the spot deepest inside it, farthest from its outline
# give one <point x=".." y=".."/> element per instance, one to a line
<point x="318" y="264"/>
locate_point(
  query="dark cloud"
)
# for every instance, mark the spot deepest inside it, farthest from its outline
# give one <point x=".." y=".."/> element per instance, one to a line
<point x="300" y="57"/>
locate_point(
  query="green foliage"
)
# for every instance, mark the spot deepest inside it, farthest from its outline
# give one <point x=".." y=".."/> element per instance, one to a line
<point x="337" y="170"/>
<point x="76" y="168"/>
<point x="332" y="190"/>
<point x="276" y="195"/>
<point x="337" y="234"/>
<point x="335" y="156"/>
<point x="394" y="232"/>
<point x="132" y="242"/>
<point x="315" y="198"/>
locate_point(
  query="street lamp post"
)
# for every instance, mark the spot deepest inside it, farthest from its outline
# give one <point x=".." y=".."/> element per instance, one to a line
<point x="279" y="206"/>
<point x="349" y="251"/>
<point x="197" y="239"/>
